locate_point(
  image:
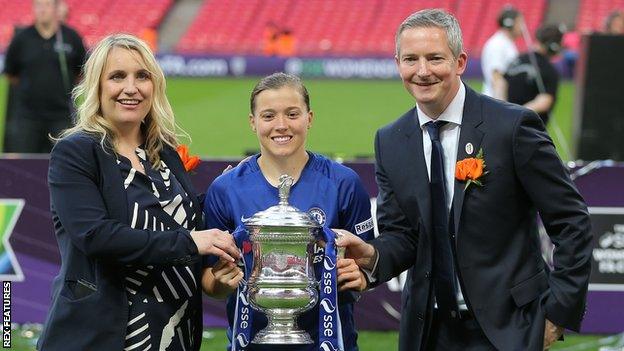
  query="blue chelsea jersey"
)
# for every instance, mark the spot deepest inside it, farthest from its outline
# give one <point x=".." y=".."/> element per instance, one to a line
<point x="330" y="192"/>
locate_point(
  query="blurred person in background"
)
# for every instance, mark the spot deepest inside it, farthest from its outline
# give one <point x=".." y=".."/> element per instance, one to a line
<point x="571" y="44"/>
<point x="126" y="217"/>
<point x="330" y="192"/>
<point x="63" y="11"/>
<point x="150" y="36"/>
<point x="277" y="41"/>
<point x="286" y="43"/>
<point x="532" y="80"/>
<point x="614" y="23"/>
<point x="499" y="51"/>
<point x="10" y="106"/>
<point x="42" y="64"/>
<point x="269" y="38"/>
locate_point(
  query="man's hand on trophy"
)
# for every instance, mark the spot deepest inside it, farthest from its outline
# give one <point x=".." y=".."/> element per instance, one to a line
<point x="227" y="274"/>
<point x="363" y="253"/>
<point x="216" y="242"/>
<point x="349" y="275"/>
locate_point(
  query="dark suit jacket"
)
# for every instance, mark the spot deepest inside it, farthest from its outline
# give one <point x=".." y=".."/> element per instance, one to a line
<point x="506" y="283"/>
<point x="89" y="309"/>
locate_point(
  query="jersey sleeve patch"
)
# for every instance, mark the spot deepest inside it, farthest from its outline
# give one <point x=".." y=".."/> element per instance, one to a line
<point x="364" y="226"/>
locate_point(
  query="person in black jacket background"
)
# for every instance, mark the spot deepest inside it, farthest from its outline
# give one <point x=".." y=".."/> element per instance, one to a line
<point x="532" y="80"/>
<point x="42" y="63"/>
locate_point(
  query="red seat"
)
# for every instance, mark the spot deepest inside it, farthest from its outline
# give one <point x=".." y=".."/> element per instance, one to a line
<point x="93" y="19"/>
<point x="592" y="14"/>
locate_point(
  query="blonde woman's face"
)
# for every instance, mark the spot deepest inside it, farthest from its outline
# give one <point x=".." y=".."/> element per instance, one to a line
<point x="126" y="89"/>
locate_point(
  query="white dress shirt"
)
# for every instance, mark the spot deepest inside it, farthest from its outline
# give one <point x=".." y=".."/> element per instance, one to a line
<point x="449" y="137"/>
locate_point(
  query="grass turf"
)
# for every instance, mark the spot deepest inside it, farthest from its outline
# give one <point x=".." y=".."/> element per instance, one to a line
<point x="347" y="113"/>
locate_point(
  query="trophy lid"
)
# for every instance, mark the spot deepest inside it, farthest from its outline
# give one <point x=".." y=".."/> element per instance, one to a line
<point x="282" y="214"/>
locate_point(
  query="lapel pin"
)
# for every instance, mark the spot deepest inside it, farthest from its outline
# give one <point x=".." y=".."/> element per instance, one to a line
<point x="469" y="148"/>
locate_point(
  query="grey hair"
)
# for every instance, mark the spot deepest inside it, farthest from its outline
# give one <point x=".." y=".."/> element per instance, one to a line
<point x="434" y="18"/>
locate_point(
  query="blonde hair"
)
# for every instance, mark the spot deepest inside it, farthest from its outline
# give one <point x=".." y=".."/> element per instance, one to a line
<point x="159" y="125"/>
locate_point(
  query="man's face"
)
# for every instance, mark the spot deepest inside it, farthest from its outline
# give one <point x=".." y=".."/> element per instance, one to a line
<point x="44" y="11"/>
<point x="428" y="69"/>
<point x="617" y="26"/>
<point x="516" y="31"/>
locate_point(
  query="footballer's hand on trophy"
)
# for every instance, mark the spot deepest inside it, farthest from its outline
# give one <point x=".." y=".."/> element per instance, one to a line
<point x="362" y="252"/>
<point x="350" y="277"/>
<point x="227" y="274"/>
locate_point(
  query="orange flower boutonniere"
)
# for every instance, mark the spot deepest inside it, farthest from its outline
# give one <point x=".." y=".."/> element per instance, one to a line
<point x="470" y="170"/>
<point x="189" y="162"/>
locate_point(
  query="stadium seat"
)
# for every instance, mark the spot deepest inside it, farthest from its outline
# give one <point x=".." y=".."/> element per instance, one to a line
<point x="592" y="13"/>
<point x="478" y="20"/>
<point x="93" y="19"/>
<point x="320" y="27"/>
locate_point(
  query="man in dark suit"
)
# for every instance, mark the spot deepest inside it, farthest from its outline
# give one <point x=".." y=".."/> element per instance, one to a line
<point x="461" y="178"/>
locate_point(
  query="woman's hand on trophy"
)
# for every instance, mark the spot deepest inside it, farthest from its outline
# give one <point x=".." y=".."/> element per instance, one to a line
<point x="349" y="275"/>
<point x="216" y="242"/>
<point x="362" y="252"/>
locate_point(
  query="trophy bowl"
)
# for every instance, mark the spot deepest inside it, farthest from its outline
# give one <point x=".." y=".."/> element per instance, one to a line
<point x="282" y="283"/>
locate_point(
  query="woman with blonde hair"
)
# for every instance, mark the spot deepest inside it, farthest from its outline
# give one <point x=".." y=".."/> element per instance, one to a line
<point x="127" y="221"/>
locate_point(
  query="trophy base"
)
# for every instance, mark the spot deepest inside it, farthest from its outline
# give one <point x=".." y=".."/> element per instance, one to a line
<point x="282" y="337"/>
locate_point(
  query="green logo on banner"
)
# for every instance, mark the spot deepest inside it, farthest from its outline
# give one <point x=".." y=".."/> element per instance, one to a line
<point x="10" y="210"/>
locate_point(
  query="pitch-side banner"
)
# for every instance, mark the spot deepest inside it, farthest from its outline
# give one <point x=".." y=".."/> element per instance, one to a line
<point x="308" y="67"/>
<point x="205" y="66"/>
<point x="29" y="254"/>
<point x="608" y="253"/>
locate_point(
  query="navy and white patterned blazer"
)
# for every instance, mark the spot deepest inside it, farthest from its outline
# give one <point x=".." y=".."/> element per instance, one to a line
<point x="91" y="221"/>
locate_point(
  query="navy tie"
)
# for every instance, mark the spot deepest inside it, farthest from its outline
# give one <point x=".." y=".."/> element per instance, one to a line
<point x="443" y="273"/>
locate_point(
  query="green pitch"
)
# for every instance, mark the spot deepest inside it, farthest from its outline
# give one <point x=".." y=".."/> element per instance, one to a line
<point x="347" y="113"/>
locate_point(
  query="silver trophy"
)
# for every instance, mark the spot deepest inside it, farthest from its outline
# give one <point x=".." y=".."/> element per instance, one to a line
<point x="282" y="283"/>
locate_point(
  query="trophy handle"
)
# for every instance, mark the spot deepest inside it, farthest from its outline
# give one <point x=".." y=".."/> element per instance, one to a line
<point x="286" y="182"/>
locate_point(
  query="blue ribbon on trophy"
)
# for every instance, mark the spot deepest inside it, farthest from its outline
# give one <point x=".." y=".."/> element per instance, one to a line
<point x="330" y="332"/>
<point x="241" y="333"/>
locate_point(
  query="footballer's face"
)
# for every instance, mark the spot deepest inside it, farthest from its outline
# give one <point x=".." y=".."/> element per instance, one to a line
<point x="428" y="68"/>
<point x="281" y="121"/>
